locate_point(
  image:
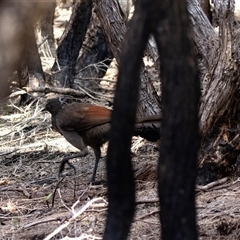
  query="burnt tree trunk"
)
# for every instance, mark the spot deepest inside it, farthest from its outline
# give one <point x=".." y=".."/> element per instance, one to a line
<point x="180" y="137"/>
<point x="218" y="62"/>
<point x="113" y="22"/>
<point x="120" y="179"/>
<point x="95" y="55"/>
<point x="180" y="140"/>
<point x="71" y="42"/>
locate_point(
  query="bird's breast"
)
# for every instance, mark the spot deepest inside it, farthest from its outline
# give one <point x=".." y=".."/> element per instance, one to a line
<point x="97" y="135"/>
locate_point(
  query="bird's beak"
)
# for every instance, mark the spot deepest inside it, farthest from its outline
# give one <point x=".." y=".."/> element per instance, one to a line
<point x="44" y="109"/>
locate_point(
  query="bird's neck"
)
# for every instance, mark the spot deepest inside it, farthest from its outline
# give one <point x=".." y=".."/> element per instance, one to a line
<point x="56" y="110"/>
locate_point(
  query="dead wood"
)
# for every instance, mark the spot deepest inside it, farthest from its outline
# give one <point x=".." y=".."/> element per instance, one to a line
<point x="113" y="22"/>
<point x="71" y="42"/>
<point x="66" y="91"/>
<point x="218" y="52"/>
<point x="212" y="184"/>
<point x="95" y="55"/>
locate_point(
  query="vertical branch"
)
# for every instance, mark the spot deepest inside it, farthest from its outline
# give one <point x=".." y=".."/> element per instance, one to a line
<point x="121" y="187"/>
<point x="180" y="138"/>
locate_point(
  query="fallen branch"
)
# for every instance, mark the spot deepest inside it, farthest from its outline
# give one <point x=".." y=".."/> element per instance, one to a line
<point x="147" y="215"/>
<point x="7" y="153"/>
<point x="65" y="91"/>
<point x="21" y="189"/>
<point x="212" y="184"/>
<point x="47" y="220"/>
<point x="154" y="200"/>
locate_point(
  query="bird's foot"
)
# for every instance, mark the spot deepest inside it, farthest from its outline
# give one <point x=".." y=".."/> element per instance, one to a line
<point x="62" y="165"/>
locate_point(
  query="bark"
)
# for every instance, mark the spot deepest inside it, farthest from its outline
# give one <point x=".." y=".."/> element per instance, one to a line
<point x="205" y="5"/>
<point x="71" y="42"/>
<point x="205" y="37"/>
<point x="219" y="64"/>
<point x="114" y="25"/>
<point x="121" y="186"/>
<point x="113" y="22"/>
<point x="180" y="137"/>
<point x="177" y="167"/>
<point x="94" y="57"/>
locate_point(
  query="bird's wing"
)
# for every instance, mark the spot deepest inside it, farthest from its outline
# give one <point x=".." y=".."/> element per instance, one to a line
<point x="81" y="116"/>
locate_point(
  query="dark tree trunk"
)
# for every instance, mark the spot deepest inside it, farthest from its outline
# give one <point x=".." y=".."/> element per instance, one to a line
<point x="121" y="187"/>
<point x="218" y="61"/>
<point x="71" y="42"/>
<point x="94" y="57"/>
<point x="180" y="137"/>
<point x="177" y="167"/>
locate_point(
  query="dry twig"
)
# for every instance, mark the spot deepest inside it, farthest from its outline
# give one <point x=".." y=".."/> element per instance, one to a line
<point x="147" y="215"/>
<point x="83" y="209"/>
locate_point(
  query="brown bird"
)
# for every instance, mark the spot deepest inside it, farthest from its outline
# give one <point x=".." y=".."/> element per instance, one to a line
<point x="84" y="124"/>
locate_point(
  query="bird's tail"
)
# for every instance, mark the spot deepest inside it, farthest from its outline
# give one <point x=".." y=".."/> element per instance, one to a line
<point x="148" y="127"/>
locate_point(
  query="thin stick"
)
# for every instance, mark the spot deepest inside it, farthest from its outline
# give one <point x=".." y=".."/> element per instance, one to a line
<point x="154" y="200"/>
<point x="147" y="215"/>
<point x="60" y="228"/>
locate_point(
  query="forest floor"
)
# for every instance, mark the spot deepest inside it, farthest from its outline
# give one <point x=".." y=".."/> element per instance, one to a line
<point x="30" y="154"/>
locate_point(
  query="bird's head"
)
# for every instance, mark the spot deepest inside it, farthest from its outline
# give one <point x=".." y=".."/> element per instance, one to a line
<point x="53" y="106"/>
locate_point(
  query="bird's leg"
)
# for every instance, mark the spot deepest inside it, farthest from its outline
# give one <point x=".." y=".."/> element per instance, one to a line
<point x="76" y="140"/>
<point x="65" y="160"/>
<point x="97" y="152"/>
